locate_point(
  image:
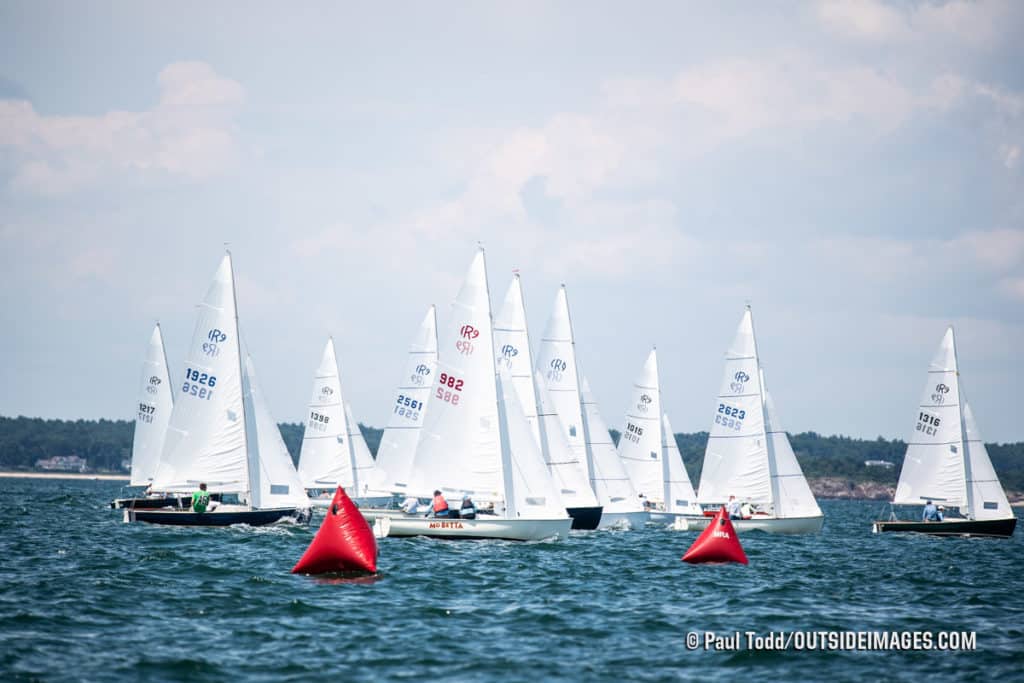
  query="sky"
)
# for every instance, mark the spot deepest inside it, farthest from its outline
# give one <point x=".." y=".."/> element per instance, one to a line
<point x="853" y="170"/>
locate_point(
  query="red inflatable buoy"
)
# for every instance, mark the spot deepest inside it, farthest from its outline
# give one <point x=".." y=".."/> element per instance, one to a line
<point x="344" y="542"/>
<point x="718" y="543"/>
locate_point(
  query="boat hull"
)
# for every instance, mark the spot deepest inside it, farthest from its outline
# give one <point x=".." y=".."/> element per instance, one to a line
<point x="995" y="528"/>
<point x="623" y="520"/>
<point x="585" y="518"/>
<point x="218" y="517"/>
<point x="151" y="503"/>
<point x="371" y="514"/>
<point x="469" y="529"/>
<point x="771" y="525"/>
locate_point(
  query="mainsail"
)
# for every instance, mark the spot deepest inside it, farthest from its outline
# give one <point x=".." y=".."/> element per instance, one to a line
<point x="325" y="459"/>
<point x="156" y="401"/>
<point x="640" y="444"/>
<point x="206" y="436"/>
<point x="460" y="450"/>
<point x="398" y="443"/>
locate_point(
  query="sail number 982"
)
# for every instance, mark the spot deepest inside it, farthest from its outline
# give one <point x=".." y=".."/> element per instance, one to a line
<point x="199" y="384"/>
<point x="449" y="388"/>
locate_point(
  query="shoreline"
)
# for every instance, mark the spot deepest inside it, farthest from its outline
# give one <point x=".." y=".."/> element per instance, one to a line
<point x="64" y="475"/>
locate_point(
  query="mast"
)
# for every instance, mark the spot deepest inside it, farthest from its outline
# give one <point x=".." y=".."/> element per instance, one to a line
<point x="773" y="488"/>
<point x="251" y="478"/>
<point x="588" y="461"/>
<point x="503" y="438"/>
<point x="348" y="427"/>
<point x="965" y="456"/>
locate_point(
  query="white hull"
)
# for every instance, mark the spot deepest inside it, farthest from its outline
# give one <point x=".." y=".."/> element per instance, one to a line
<point x="667" y="518"/>
<point x="505" y="529"/>
<point x="623" y="520"/>
<point x="371" y="514"/>
<point x="771" y="525"/>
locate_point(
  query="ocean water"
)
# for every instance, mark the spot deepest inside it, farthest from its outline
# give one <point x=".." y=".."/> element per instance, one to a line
<point x="85" y="597"/>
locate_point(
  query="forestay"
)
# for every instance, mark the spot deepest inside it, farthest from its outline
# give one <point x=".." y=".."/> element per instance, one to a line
<point x="736" y="457"/>
<point x="277" y="484"/>
<point x="563" y="463"/>
<point x="402" y="433"/>
<point x="206" y="438"/>
<point x="459" y="450"/>
<point x="610" y="482"/>
<point x="156" y="401"/>
<point x="679" y="495"/>
<point x="790" y="490"/>
<point x="641" y="443"/>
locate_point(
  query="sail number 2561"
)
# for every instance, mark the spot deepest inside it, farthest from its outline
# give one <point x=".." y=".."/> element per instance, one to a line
<point x="449" y="388"/>
<point x="199" y="384"/>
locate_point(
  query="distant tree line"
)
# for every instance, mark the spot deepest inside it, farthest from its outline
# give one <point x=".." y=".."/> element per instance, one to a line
<point x="107" y="444"/>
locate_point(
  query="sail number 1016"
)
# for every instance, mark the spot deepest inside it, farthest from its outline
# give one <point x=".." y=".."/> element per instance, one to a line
<point x="199" y="384"/>
<point x="449" y="388"/>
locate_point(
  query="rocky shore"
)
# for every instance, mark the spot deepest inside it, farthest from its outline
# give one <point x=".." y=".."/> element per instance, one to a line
<point x="847" y="489"/>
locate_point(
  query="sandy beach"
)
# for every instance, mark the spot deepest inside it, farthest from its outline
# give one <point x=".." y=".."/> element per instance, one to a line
<point x="63" y="475"/>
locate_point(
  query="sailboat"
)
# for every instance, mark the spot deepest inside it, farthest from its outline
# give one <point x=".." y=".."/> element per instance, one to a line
<point x="649" y="453"/>
<point x="334" y="452"/>
<point x="393" y="465"/>
<point x="748" y="453"/>
<point x="156" y="400"/>
<point x="590" y="443"/>
<point x="947" y="463"/>
<point x="512" y="349"/>
<point x="476" y="440"/>
<point x="221" y="432"/>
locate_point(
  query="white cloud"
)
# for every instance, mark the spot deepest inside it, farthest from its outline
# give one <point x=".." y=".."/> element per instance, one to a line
<point x="864" y="19"/>
<point x="190" y="133"/>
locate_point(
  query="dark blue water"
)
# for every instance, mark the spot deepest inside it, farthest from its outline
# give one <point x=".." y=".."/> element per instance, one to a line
<point x="85" y="597"/>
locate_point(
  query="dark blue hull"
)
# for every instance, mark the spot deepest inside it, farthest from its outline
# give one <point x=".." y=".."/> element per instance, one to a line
<point x="585" y="518"/>
<point x="996" y="528"/>
<point x="249" y="517"/>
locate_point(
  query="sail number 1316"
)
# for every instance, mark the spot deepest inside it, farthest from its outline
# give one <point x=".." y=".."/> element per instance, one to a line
<point x="449" y="388"/>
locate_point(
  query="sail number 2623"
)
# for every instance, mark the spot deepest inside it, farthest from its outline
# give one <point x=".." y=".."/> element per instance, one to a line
<point x="730" y="417"/>
<point x="449" y="388"/>
<point x="199" y="384"/>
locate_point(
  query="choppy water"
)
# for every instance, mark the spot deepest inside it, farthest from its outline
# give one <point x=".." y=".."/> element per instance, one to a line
<point x="85" y="597"/>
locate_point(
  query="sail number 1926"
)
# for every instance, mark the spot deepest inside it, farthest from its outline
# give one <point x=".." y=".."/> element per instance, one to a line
<point x="198" y="384"/>
<point x="449" y="388"/>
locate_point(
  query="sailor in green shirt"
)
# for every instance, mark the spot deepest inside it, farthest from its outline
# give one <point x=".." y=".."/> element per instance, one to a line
<point x="200" y="499"/>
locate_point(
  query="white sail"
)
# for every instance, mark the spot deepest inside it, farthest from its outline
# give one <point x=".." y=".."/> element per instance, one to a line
<point x="933" y="468"/>
<point x="398" y="443"/>
<point x="362" y="459"/>
<point x="790" y="491"/>
<point x="512" y="351"/>
<point x="206" y="436"/>
<point x="459" y="450"/>
<point x="679" y="495"/>
<point x="640" y="444"/>
<point x="609" y="480"/>
<point x="156" y="401"/>
<point x="736" y="457"/>
<point x="563" y="463"/>
<point x="988" y="500"/>
<point x="535" y="495"/>
<point x="556" y="360"/>
<point x="326" y="459"/>
<point x="279" y="485"/>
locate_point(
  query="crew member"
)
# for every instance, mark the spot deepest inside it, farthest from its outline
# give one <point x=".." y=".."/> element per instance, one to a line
<point x="733" y="508"/>
<point x="440" y="506"/>
<point x="468" y="510"/>
<point x="200" y="499"/>
<point x="930" y="513"/>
